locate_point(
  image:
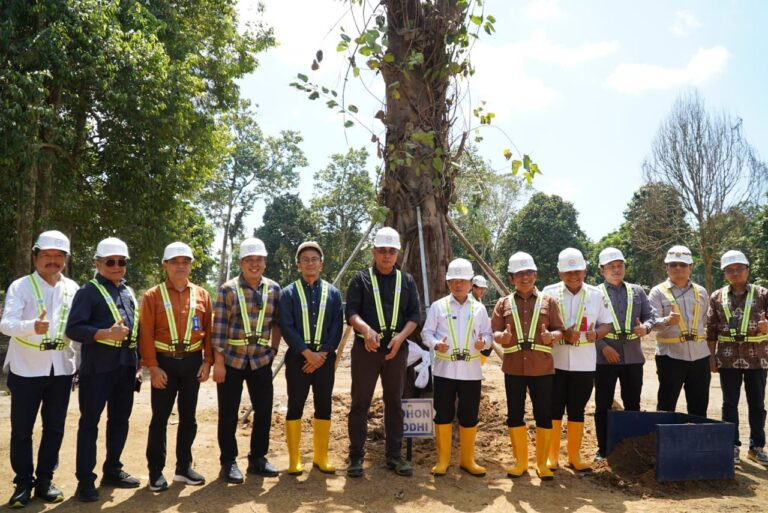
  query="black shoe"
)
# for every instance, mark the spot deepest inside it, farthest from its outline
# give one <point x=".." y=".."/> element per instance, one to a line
<point x="355" y="468"/>
<point x="157" y="482"/>
<point x="121" y="480"/>
<point x="188" y="476"/>
<point x="262" y="467"/>
<point x="47" y="491"/>
<point x="86" y="492"/>
<point x="21" y="496"/>
<point x="231" y="474"/>
<point x="399" y="466"/>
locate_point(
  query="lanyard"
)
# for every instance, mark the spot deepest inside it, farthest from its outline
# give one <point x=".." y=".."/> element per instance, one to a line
<point x="534" y="319"/>
<point x="452" y="327"/>
<point x="627" y="317"/>
<point x="305" y="312"/>
<point x="169" y="314"/>
<point x="582" y="304"/>
<point x="244" y="309"/>
<point x="747" y="311"/>
<point x="683" y="326"/>
<point x="377" y="300"/>
<point x="40" y="302"/>
<point x="113" y="308"/>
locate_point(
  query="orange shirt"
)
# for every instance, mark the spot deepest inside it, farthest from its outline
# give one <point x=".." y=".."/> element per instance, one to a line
<point x="153" y="322"/>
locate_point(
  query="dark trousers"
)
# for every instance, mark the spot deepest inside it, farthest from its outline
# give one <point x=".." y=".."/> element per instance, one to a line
<point x="694" y="377"/>
<point x="540" y="389"/>
<point x="299" y="382"/>
<point x="182" y="383"/>
<point x="630" y="376"/>
<point x="446" y="391"/>
<point x="27" y="396"/>
<point x="366" y="369"/>
<point x="260" y="391"/>
<point x="571" y="391"/>
<point x="115" y="391"/>
<point x="754" y="386"/>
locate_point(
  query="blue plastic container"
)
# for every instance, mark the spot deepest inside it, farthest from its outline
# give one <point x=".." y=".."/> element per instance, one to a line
<point x="687" y="447"/>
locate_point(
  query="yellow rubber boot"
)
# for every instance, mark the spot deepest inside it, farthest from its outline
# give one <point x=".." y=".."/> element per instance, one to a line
<point x="467" y="438"/>
<point x="321" y="431"/>
<point x="443" y="443"/>
<point x="575" y="435"/>
<point x="543" y="437"/>
<point x="554" y="445"/>
<point x="519" y="438"/>
<point x="293" y="437"/>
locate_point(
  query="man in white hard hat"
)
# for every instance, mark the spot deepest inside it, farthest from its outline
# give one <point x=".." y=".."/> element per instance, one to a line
<point x="383" y="308"/>
<point x="619" y="354"/>
<point x="175" y="345"/>
<point x="104" y="318"/>
<point x="586" y="319"/>
<point x="737" y="333"/>
<point x="526" y="324"/>
<point x="311" y="322"/>
<point x="40" y="362"/>
<point x="245" y="339"/>
<point x="682" y="354"/>
<point x="479" y="287"/>
<point x="457" y="329"/>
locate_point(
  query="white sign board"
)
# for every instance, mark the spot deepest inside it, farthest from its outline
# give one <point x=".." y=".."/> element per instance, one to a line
<point x="418" y="418"/>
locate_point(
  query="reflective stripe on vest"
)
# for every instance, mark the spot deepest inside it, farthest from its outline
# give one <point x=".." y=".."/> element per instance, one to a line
<point x="117" y="317"/>
<point x="173" y="346"/>
<point x="395" y="303"/>
<point x="457" y="353"/>
<point x="246" y="318"/>
<point x="617" y="331"/>
<point x="305" y="313"/>
<point x="686" y="335"/>
<point x="57" y="343"/>
<point x="531" y="329"/>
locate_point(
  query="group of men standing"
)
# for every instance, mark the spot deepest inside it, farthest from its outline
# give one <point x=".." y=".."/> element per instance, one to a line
<point x="558" y="344"/>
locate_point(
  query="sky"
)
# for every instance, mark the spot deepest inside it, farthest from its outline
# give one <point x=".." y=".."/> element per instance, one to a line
<point x="582" y="87"/>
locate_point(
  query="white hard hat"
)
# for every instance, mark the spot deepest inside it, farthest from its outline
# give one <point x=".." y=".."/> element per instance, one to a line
<point x="310" y="244"/>
<point x="610" y="255"/>
<point x="459" y="269"/>
<point x="521" y="262"/>
<point x="679" y="254"/>
<point x="387" y="238"/>
<point x="52" y="239"/>
<point x="733" y="257"/>
<point x="252" y="246"/>
<point x="111" y="246"/>
<point x="571" y="259"/>
<point x="480" y="281"/>
<point x="177" y="249"/>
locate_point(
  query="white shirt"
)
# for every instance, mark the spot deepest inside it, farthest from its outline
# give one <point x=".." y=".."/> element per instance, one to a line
<point x="436" y="328"/>
<point x="19" y="321"/>
<point x="582" y="357"/>
<point x="689" y="350"/>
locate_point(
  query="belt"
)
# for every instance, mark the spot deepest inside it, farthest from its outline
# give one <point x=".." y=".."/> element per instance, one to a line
<point x="527" y="345"/>
<point x="178" y="355"/>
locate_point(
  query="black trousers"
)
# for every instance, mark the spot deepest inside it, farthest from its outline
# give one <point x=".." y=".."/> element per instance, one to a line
<point x="260" y="391"/>
<point x="754" y="386"/>
<point x="113" y="390"/>
<point x="570" y="392"/>
<point x="630" y="376"/>
<point x="182" y="383"/>
<point x="675" y="375"/>
<point x="299" y="382"/>
<point x="27" y="397"/>
<point x="446" y="391"/>
<point x="366" y="369"/>
<point x="540" y="389"/>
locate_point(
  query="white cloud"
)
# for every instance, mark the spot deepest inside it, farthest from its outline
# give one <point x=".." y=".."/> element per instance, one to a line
<point x="638" y="78"/>
<point x="539" y="9"/>
<point x="567" y="188"/>
<point x="540" y="48"/>
<point x="685" y="23"/>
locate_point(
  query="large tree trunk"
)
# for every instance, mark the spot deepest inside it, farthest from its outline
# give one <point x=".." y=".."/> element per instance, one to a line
<point x="25" y="222"/>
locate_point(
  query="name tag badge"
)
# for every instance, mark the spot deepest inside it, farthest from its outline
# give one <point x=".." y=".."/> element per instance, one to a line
<point x="196" y="323"/>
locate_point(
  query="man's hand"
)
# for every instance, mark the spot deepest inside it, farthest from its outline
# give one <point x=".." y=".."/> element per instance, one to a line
<point x="313" y="360"/>
<point x="118" y="331"/>
<point x="372" y="340"/>
<point x="611" y="355"/>
<point x="42" y="324"/>
<point x="571" y="336"/>
<point x="762" y="324"/>
<point x="591" y="334"/>
<point x="674" y="317"/>
<point x="505" y="338"/>
<point x="394" y="347"/>
<point x="158" y="378"/>
<point x="480" y="344"/>
<point x="546" y="335"/>
<point x="641" y="331"/>
<point x="219" y="372"/>
<point x="203" y="372"/>
<point x="442" y="346"/>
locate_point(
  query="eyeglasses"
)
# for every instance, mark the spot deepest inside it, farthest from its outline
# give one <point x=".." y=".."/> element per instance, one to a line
<point x="523" y="274"/>
<point x="386" y="251"/>
<point x="734" y="270"/>
<point x="112" y="262"/>
<point x="312" y="260"/>
<point x="677" y="264"/>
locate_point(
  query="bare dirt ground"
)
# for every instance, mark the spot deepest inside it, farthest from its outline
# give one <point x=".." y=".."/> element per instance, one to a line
<point x="382" y="491"/>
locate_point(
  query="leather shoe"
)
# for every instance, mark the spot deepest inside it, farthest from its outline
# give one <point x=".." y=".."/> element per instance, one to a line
<point x="262" y="467"/>
<point x="399" y="466"/>
<point x="231" y="474"/>
<point x="355" y="468"/>
<point x="47" y="491"/>
<point x="120" y="480"/>
<point x="86" y="492"/>
<point x="21" y="495"/>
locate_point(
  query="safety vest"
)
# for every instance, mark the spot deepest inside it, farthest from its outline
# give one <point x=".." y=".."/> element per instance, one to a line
<point x="579" y="312"/>
<point x="531" y="329"/>
<point x="117" y="317"/>
<point x="379" y="309"/>
<point x="457" y="353"/>
<point x="308" y="340"/>
<point x="246" y="319"/>
<point x="741" y="334"/>
<point x="686" y="335"/>
<point x="627" y="332"/>
<point x="48" y="343"/>
<point x="174" y="345"/>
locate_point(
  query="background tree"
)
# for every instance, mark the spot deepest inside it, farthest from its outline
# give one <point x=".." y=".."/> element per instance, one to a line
<point x="713" y="169"/>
